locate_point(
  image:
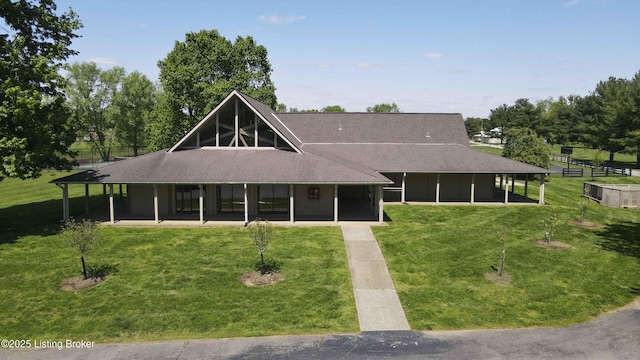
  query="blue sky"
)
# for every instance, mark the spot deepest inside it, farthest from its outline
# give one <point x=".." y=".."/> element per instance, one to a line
<point x="426" y="56"/>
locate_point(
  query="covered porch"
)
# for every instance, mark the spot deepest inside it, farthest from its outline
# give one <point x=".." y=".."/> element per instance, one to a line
<point x="220" y="204"/>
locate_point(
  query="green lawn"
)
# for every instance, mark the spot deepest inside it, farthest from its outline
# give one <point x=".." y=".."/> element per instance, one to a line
<point x="172" y="283"/>
<point x="179" y="283"/>
<point x="439" y="256"/>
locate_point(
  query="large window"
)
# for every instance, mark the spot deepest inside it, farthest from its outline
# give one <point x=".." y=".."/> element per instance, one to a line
<point x="273" y="199"/>
<point x="188" y="198"/>
<point x="231" y="198"/>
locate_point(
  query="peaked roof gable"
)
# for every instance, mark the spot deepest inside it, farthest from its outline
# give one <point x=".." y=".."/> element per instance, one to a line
<point x="263" y="111"/>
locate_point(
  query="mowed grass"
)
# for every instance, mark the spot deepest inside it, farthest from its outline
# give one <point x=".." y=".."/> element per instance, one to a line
<point x="439" y="258"/>
<point x="172" y="283"/>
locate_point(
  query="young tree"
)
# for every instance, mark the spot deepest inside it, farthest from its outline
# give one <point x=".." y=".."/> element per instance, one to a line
<point x="91" y="92"/>
<point x="36" y="129"/>
<point x="525" y="146"/>
<point x="551" y="222"/>
<point x="80" y="236"/>
<point x="384" y="108"/>
<point x="583" y="205"/>
<point x="133" y="104"/>
<point x="199" y="72"/>
<point x="261" y="234"/>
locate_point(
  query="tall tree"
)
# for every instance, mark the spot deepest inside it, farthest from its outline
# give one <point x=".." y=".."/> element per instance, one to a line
<point x="35" y="125"/>
<point x="133" y="106"/>
<point x="333" y="108"/>
<point x="474" y="125"/>
<point x="524" y="145"/>
<point x="384" y="107"/>
<point x="90" y="94"/>
<point x="500" y="118"/>
<point x="199" y="72"/>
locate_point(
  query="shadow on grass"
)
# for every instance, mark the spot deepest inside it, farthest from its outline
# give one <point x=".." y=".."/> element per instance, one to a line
<point x="622" y="238"/>
<point x="39" y="218"/>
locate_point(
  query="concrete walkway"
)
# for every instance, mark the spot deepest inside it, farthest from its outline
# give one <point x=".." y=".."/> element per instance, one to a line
<point x="377" y="302"/>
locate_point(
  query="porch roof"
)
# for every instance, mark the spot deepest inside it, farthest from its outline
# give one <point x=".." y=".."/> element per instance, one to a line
<point x="228" y="166"/>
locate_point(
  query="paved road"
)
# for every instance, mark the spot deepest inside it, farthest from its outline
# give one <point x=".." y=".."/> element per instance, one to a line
<point x="615" y="335"/>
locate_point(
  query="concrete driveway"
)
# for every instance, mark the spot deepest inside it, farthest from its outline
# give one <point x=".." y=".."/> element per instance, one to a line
<point x="615" y="335"/>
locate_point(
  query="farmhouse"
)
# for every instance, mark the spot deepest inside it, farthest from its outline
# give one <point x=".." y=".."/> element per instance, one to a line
<point x="243" y="161"/>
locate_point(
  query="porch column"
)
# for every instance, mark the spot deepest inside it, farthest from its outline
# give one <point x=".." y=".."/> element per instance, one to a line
<point x="214" y="196"/>
<point x="201" y="200"/>
<point x="112" y="216"/>
<point x="526" y="185"/>
<point x="380" y="204"/>
<point x="335" y="203"/>
<point x="291" y="205"/>
<point x="513" y="184"/>
<point x="541" y="196"/>
<point x="501" y="179"/>
<point x="86" y="199"/>
<point x="65" y="202"/>
<point x="404" y="188"/>
<point x="473" y="188"/>
<point x="438" y="189"/>
<point x="155" y="204"/>
<point x="246" y="204"/>
<point x="506" y="189"/>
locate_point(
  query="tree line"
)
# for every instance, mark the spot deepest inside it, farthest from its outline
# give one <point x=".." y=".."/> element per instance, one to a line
<point x="608" y="118"/>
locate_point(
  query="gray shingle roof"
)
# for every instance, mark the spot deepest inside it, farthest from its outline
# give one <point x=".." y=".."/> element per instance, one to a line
<point x="228" y="166"/>
<point x="376" y="128"/>
<point x="424" y="158"/>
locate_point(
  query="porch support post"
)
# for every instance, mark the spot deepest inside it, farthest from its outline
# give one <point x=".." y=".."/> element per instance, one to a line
<point x="65" y="202"/>
<point x="246" y="201"/>
<point x="541" y="196"/>
<point x="120" y="191"/>
<point x="292" y="217"/>
<point x="438" y="189"/>
<point x="86" y="199"/>
<point x="526" y="185"/>
<point x="201" y="203"/>
<point x="501" y="179"/>
<point x="404" y="188"/>
<point x="214" y="195"/>
<point x="473" y="188"/>
<point x="335" y="203"/>
<point x="112" y="216"/>
<point x="506" y="189"/>
<point x="513" y="184"/>
<point x="156" y="216"/>
<point x="380" y="204"/>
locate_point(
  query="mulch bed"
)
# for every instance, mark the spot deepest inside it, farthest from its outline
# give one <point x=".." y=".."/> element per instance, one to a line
<point x="554" y="245"/>
<point x="500" y="280"/>
<point x="254" y="278"/>
<point x="584" y="224"/>
<point x="79" y="282"/>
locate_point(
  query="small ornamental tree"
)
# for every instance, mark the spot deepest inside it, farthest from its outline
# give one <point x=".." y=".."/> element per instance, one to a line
<point x="583" y="205"/>
<point x="261" y="235"/>
<point x="81" y="236"/>
<point x="551" y="222"/>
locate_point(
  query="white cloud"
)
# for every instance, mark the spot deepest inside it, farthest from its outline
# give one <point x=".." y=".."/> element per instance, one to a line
<point x="99" y="60"/>
<point x="366" y="65"/>
<point x="273" y="19"/>
<point x="323" y="66"/>
<point x="572" y="3"/>
<point x="433" y="55"/>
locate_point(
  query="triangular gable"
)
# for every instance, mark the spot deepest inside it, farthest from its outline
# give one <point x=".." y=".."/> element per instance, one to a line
<point x="262" y="111"/>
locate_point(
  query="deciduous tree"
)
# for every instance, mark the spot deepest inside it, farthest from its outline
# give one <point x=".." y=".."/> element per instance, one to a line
<point x="333" y="108"/>
<point x="133" y="106"/>
<point x="199" y="72"/>
<point x="384" y="107"/>
<point x="35" y="125"/>
<point x="524" y="145"/>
